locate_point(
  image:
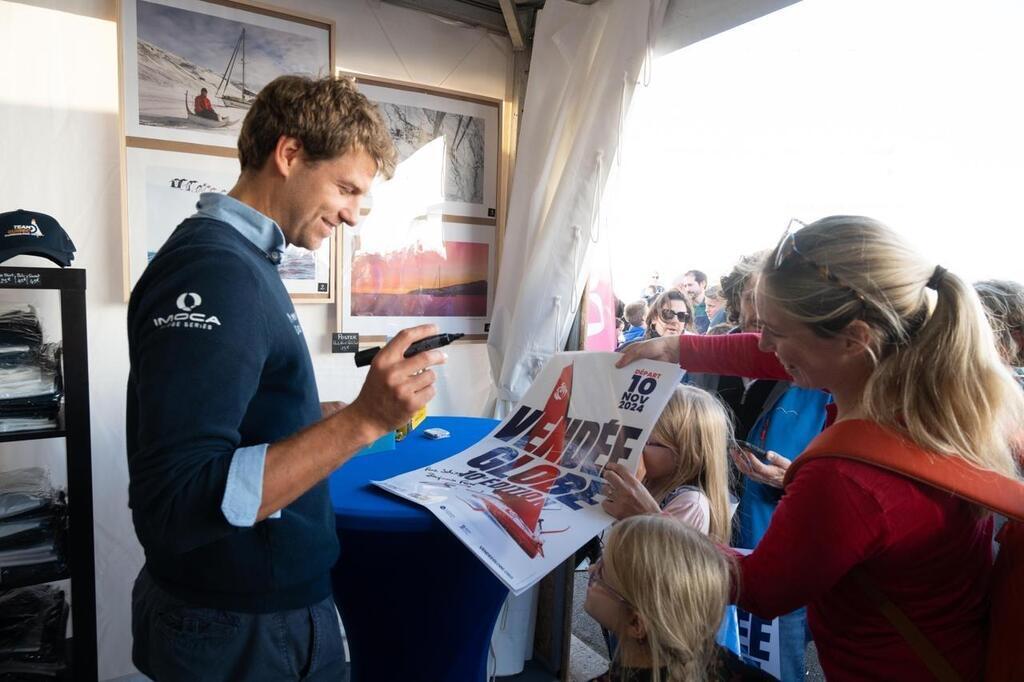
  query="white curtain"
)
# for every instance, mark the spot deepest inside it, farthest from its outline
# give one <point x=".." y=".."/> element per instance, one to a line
<point x="585" y="65"/>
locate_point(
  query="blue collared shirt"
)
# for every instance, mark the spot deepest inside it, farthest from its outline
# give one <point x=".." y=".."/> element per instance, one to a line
<point x="243" y="492"/>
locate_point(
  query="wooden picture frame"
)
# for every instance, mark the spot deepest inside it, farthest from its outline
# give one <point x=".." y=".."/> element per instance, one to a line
<point x="167" y="46"/>
<point x="162" y="190"/>
<point x="170" y="49"/>
<point x="450" y="284"/>
<point x="438" y="195"/>
<point x="418" y="115"/>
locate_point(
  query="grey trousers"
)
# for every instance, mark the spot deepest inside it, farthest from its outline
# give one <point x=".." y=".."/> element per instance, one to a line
<point x="176" y="641"/>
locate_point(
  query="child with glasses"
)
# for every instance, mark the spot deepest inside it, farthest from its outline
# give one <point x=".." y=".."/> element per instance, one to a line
<point x="662" y="588"/>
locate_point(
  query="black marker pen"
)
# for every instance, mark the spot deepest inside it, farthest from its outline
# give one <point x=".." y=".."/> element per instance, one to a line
<point x="366" y="356"/>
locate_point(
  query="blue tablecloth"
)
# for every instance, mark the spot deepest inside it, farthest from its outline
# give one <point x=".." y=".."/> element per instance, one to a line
<point x="417" y="605"/>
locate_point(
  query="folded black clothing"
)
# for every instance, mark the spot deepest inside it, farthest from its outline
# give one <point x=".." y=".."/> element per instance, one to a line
<point x="19" y="324"/>
<point x="15" y="415"/>
<point x="19" y="533"/>
<point x="17" y="356"/>
<point x="22" y="504"/>
<point x="32" y="574"/>
<point x="41" y="402"/>
<point x="23" y="616"/>
<point x="27" y="491"/>
<point x="33" y="624"/>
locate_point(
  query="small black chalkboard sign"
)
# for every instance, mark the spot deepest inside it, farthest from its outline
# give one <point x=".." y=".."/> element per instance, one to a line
<point x="344" y="342"/>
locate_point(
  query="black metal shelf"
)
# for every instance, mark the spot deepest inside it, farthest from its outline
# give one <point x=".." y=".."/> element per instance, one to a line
<point x="70" y="283"/>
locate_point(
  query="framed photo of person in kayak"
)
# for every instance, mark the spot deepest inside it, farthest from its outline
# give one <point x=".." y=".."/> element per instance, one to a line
<point x="190" y="69"/>
<point x="162" y="189"/>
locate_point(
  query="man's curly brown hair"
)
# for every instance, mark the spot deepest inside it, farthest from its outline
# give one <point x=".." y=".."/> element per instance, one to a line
<point x="327" y="115"/>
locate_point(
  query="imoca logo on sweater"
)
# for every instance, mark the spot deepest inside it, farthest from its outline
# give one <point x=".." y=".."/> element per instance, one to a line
<point x="187" y="319"/>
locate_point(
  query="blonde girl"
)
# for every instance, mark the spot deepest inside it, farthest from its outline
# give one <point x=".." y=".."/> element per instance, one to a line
<point x="662" y="588"/>
<point x="685" y="465"/>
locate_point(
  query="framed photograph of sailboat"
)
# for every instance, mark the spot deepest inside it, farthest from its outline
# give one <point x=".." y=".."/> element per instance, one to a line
<point x="439" y="272"/>
<point x="190" y="69"/>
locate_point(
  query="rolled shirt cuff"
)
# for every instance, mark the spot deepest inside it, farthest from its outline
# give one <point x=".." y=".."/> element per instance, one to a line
<point x="243" y="492"/>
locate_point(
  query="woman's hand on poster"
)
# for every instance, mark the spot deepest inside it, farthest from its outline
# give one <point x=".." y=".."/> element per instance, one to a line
<point x="664" y="348"/>
<point x="770" y="473"/>
<point x="625" y="495"/>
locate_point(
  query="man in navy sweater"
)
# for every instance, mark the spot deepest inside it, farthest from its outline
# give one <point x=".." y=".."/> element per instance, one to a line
<point x="228" y="445"/>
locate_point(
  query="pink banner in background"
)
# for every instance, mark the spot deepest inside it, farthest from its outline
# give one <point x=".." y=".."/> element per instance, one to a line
<point x="601" y="332"/>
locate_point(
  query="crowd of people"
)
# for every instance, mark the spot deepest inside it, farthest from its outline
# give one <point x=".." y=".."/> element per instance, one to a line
<point x="839" y="331"/>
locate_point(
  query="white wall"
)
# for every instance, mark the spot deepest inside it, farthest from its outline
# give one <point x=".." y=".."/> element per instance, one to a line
<point x="59" y="154"/>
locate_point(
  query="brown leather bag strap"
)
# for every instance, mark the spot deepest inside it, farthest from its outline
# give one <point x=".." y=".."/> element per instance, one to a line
<point x="870" y="443"/>
<point x="921" y="645"/>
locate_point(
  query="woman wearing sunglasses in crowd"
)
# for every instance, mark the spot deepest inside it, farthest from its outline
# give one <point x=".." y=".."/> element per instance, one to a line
<point x="671" y="314"/>
<point x="901" y="344"/>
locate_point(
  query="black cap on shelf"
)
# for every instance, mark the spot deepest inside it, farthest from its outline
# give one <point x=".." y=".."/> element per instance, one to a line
<point x="27" y="233"/>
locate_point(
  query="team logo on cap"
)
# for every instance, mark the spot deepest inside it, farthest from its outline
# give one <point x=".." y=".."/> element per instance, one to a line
<point x="30" y="230"/>
<point x="186" y="319"/>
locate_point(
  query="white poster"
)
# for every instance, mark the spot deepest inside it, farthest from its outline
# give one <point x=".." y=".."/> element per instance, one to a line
<point x="759" y="639"/>
<point x="529" y="494"/>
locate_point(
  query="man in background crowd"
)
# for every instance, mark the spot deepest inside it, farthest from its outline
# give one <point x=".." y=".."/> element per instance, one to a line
<point x="693" y="283"/>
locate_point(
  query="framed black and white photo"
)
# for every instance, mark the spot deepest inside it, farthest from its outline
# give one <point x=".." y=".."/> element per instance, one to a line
<point x="163" y="188"/>
<point x="453" y="139"/>
<point x="174" y="50"/>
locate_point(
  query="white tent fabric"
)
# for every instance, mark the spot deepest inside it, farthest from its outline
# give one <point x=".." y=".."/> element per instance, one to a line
<point x="585" y="64"/>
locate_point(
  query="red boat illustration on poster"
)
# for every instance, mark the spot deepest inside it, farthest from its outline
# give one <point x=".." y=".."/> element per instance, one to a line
<point x="515" y="515"/>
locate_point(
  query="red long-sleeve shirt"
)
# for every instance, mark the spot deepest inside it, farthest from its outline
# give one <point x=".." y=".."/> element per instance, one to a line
<point x="926" y="550"/>
<point x="203" y="104"/>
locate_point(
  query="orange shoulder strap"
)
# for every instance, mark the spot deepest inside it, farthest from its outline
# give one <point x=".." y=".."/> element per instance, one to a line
<point x="870" y="443"/>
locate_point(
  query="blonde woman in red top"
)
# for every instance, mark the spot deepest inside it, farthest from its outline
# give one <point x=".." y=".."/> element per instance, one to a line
<point x="846" y="306"/>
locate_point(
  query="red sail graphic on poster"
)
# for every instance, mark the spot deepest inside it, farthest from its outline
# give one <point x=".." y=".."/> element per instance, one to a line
<point x="556" y="413"/>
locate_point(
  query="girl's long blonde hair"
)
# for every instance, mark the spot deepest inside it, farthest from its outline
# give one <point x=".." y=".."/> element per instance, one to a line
<point x="677" y="582"/>
<point x="696" y="426"/>
<point x="938" y="377"/>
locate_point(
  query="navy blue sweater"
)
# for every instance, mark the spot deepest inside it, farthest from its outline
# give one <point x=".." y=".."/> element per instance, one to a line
<point x="218" y="362"/>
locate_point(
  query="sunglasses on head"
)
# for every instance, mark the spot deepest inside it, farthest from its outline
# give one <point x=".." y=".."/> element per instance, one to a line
<point x="787" y="247"/>
<point x="667" y="314"/>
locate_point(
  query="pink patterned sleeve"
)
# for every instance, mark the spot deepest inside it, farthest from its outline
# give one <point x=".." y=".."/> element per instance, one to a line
<point x="692" y="508"/>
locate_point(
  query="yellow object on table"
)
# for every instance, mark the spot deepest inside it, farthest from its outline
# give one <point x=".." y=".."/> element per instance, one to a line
<point x="407" y="428"/>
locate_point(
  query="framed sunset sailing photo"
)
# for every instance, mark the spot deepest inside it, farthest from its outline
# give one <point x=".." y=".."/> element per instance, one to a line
<point x="190" y="69"/>
<point x="442" y="273"/>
